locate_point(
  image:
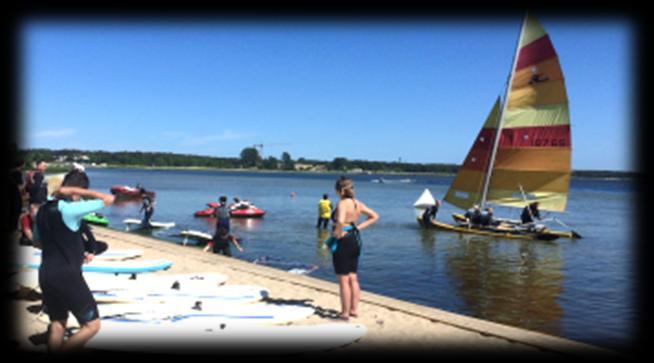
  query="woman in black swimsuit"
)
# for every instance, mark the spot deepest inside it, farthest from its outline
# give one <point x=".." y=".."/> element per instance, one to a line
<point x="346" y="257"/>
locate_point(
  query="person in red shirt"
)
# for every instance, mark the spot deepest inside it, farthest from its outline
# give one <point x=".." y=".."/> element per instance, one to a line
<point x="28" y="233"/>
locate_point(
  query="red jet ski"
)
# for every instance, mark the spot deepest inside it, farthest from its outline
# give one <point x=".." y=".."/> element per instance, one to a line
<point x="127" y="191"/>
<point x="243" y="211"/>
<point x="246" y="211"/>
<point x="207" y="212"/>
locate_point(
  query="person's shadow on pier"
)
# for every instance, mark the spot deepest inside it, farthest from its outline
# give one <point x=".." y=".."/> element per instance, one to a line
<point x="318" y="310"/>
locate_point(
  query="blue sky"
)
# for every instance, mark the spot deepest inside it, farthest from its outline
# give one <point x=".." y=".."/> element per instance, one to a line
<point x="376" y="90"/>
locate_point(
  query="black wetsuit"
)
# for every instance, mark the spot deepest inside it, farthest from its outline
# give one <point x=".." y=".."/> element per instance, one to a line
<point x="221" y="245"/>
<point x="346" y="257"/>
<point x="60" y="273"/>
<point x="149" y="211"/>
<point x="222" y="215"/>
<point x="526" y="216"/>
<point x="38" y="191"/>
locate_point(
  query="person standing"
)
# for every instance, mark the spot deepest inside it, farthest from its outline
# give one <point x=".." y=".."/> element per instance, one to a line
<point x="324" y="211"/>
<point x="222" y="214"/>
<point x="36" y="187"/>
<point x="348" y="244"/>
<point x="60" y="273"/>
<point x="147" y="206"/>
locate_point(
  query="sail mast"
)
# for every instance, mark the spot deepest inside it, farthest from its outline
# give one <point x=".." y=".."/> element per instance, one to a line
<point x="498" y="132"/>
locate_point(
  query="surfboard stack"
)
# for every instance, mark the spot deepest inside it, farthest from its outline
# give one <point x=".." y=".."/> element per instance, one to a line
<point x="162" y="312"/>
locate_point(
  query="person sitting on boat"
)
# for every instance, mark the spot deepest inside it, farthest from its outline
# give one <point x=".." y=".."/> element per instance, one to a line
<point x="473" y="215"/>
<point x="220" y="242"/>
<point x="430" y="213"/>
<point x="486" y="218"/>
<point x="148" y="207"/>
<point x="529" y="213"/>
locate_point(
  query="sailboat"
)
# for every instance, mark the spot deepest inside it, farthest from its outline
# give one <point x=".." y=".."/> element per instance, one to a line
<point x="523" y="152"/>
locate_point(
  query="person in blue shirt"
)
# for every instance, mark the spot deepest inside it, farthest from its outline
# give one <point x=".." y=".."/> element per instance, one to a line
<point x="59" y="222"/>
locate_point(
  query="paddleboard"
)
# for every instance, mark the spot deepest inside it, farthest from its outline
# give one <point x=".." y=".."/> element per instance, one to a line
<point x="210" y="315"/>
<point x="189" y="233"/>
<point x="228" y="294"/>
<point x="131" y="221"/>
<point x="171" y="337"/>
<point x="110" y="255"/>
<point x="182" y="282"/>
<point x="112" y="267"/>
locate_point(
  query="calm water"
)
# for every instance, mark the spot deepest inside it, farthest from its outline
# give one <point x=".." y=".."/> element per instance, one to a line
<point x="583" y="290"/>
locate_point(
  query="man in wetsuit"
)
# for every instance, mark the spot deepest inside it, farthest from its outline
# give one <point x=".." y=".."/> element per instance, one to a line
<point x="529" y="213"/>
<point x="37" y="187"/>
<point x="430" y="213"/>
<point x="147" y="206"/>
<point x="222" y="214"/>
<point x="60" y="274"/>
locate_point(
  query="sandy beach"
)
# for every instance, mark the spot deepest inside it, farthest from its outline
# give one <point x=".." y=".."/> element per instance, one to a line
<point x="393" y="325"/>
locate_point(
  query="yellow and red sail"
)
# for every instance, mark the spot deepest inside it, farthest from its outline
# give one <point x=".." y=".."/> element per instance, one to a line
<point x="534" y="148"/>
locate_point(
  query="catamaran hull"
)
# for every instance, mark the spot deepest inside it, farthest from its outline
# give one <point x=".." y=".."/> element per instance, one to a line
<point x="524" y="235"/>
<point x="563" y="234"/>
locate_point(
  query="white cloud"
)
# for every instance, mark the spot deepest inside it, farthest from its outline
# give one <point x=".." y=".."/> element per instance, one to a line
<point x="55" y="134"/>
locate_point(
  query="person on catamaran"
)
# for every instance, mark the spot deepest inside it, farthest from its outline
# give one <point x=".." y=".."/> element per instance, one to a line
<point x="430" y="213"/>
<point x="473" y="215"/>
<point x="529" y="213"/>
<point x="486" y="218"/>
<point x="147" y="206"/>
<point x="60" y="273"/>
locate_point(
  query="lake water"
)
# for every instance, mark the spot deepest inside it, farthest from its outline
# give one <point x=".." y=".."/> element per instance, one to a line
<point x="582" y="290"/>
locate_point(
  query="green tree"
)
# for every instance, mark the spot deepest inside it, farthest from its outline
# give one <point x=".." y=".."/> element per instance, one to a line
<point x="339" y="164"/>
<point x="287" y="162"/>
<point x="270" y="163"/>
<point x="250" y="157"/>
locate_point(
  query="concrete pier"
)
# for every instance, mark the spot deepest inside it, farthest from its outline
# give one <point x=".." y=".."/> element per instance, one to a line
<point x="392" y="323"/>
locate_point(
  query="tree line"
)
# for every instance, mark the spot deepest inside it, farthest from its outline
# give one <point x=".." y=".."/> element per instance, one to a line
<point x="250" y="158"/>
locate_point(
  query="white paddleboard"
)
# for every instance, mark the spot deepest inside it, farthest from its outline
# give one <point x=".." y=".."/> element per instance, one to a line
<point x="170" y="337"/>
<point x="228" y="294"/>
<point x="131" y="221"/>
<point x="113" y="267"/>
<point x="109" y="254"/>
<point x="195" y="234"/>
<point x="184" y="282"/>
<point x="210" y="315"/>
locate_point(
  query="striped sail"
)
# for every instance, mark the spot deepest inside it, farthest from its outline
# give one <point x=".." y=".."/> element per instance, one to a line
<point x="467" y="187"/>
<point x="534" y="149"/>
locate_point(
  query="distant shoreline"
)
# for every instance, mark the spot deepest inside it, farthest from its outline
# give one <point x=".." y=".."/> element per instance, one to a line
<point x="577" y="174"/>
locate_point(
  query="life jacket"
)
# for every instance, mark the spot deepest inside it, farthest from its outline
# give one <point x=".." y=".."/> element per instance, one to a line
<point x="324" y="208"/>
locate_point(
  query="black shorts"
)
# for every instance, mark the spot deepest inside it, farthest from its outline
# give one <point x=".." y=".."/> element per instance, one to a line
<point x="346" y="256"/>
<point x="67" y="291"/>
